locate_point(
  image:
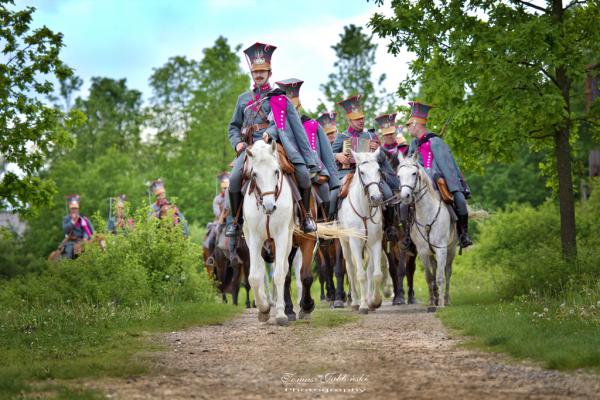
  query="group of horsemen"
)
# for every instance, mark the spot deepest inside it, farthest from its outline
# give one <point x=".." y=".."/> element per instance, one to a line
<point x="321" y="155"/>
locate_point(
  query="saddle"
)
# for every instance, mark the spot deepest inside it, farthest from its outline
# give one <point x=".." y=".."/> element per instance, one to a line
<point x="346" y="185"/>
<point x="447" y="197"/>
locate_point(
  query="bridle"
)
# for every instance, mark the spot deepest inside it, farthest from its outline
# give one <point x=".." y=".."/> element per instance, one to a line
<point x="416" y="198"/>
<point x="258" y="193"/>
<point x="373" y="206"/>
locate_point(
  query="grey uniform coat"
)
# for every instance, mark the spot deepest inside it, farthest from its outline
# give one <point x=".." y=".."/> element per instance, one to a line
<point x="292" y="137"/>
<point x="324" y="154"/>
<point x="442" y="163"/>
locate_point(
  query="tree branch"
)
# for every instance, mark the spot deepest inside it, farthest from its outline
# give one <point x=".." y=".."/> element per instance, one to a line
<point x="526" y="3"/>
<point x="575" y="3"/>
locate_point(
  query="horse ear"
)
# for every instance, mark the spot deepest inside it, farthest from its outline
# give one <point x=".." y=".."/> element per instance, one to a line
<point x="415" y="156"/>
<point x="355" y="156"/>
<point x="401" y="156"/>
<point x="274" y="146"/>
<point x="249" y="152"/>
<point x="377" y="152"/>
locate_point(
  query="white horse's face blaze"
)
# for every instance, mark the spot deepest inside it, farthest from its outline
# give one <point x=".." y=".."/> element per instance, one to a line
<point x="408" y="173"/>
<point x="367" y="168"/>
<point x="265" y="170"/>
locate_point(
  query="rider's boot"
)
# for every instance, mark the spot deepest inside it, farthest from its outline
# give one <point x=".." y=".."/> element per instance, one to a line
<point x="463" y="231"/>
<point x="391" y="233"/>
<point x="235" y="200"/>
<point x="308" y="225"/>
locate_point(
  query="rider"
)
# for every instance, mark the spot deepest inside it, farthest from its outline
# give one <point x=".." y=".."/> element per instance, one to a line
<point x="327" y="121"/>
<point x="161" y="206"/>
<point x="356" y="130"/>
<point x="77" y="228"/>
<point x="117" y="221"/>
<point x="219" y="207"/>
<point x="261" y="111"/>
<point x="435" y="156"/>
<point x="327" y="178"/>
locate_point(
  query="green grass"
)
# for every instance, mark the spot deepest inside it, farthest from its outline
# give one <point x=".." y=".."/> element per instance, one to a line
<point x="83" y="342"/>
<point x="516" y="328"/>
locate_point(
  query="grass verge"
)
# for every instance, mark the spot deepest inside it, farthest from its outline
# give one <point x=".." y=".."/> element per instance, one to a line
<point x="82" y="342"/>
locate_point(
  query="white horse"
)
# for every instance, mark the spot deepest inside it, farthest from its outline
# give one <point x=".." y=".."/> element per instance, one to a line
<point x="361" y="211"/>
<point x="432" y="231"/>
<point x="269" y="213"/>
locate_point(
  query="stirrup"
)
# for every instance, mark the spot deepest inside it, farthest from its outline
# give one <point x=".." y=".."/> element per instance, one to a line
<point x="232" y="230"/>
<point x="210" y="261"/>
<point x="309" y="224"/>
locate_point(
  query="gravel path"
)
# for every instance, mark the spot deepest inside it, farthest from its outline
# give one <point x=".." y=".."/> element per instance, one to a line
<point x="395" y="352"/>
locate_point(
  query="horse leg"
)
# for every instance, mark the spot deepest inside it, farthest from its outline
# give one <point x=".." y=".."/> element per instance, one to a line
<point x="376" y="273"/>
<point x="410" y="266"/>
<point x="440" y="256"/>
<point x="340" y="296"/>
<point x="297" y="263"/>
<point x="281" y="267"/>
<point x="289" y="306"/>
<point x="349" y="263"/>
<point x="329" y="256"/>
<point x="397" y="272"/>
<point x="321" y="263"/>
<point x="235" y="283"/>
<point x="429" y="278"/>
<point x="257" y="279"/>
<point x="358" y="275"/>
<point x="287" y="297"/>
<point x="307" y="304"/>
<point x="449" y="261"/>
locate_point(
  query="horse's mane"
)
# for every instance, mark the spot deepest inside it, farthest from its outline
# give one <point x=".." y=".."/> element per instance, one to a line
<point x="424" y="177"/>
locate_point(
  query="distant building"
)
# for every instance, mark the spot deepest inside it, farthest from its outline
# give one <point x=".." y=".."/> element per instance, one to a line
<point x="11" y="221"/>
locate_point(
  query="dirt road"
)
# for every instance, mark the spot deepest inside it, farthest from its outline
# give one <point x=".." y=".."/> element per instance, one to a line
<point x="395" y="352"/>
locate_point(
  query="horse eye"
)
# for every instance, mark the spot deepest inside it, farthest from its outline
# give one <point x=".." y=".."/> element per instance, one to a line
<point x="414" y="173"/>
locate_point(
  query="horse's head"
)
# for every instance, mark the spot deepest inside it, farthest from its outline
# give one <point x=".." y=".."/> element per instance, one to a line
<point x="409" y="176"/>
<point x="265" y="173"/>
<point x="367" y="169"/>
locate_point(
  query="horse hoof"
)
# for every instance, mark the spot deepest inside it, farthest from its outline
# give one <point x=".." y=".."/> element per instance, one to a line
<point x="371" y="309"/>
<point x="322" y="298"/>
<point x="303" y="315"/>
<point x="398" y="301"/>
<point x="387" y="293"/>
<point x="291" y="316"/>
<point x="338" y="304"/>
<point x="431" y="308"/>
<point x="363" y="310"/>
<point x="355" y="307"/>
<point x="282" y="321"/>
<point x="412" y="300"/>
<point x="264" y="316"/>
<point x="248" y="305"/>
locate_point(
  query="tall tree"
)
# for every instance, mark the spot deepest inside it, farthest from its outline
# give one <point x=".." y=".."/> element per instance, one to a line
<point x="504" y="70"/>
<point x="173" y="86"/>
<point x="114" y="119"/>
<point x="205" y="148"/>
<point x="355" y="54"/>
<point x="30" y="129"/>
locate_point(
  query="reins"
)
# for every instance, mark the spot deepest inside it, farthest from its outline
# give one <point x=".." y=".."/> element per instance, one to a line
<point x="259" y="194"/>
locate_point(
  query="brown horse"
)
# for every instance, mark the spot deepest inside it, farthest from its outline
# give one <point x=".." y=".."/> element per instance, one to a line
<point x="231" y="265"/>
<point x="79" y="246"/>
<point x="402" y="263"/>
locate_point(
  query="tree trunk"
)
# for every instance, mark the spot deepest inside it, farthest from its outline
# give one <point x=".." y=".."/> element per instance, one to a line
<point x="565" y="193"/>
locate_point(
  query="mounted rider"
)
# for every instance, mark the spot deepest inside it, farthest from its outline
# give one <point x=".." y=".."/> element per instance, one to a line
<point x="220" y="211"/>
<point x="327" y="121"/>
<point x="350" y="139"/>
<point x="327" y="178"/>
<point x="77" y="228"/>
<point x="117" y="222"/>
<point x="161" y="207"/>
<point x="262" y="113"/>
<point x="435" y="156"/>
<point x="393" y="141"/>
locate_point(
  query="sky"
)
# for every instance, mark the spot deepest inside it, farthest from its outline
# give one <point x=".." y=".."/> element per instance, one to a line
<point x="129" y="38"/>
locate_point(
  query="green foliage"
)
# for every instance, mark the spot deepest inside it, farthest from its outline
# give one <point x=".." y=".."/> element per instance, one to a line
<point x="14" y="258"/>
<point x="30" y="129"/>
<point x="507" y="74"/>
<point x="523" y="245"/>
<point x="502" y="184"/>
<point x="355" y="57"/>
<point x="151" y="262"/>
